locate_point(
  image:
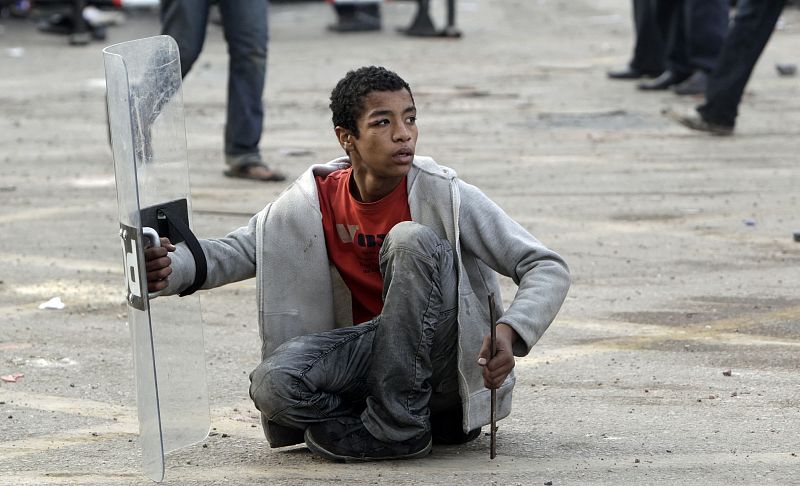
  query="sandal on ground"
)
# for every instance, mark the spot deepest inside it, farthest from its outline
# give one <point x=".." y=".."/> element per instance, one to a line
<point x="255" y="172"/>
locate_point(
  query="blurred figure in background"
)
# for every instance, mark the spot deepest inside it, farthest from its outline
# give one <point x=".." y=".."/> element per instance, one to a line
<point x="356" y="15"/>
<point x="697" y="30"/>
<point x="753" y="25"/>
<point x="649" y="51"/>
<point x="246" y="33"/>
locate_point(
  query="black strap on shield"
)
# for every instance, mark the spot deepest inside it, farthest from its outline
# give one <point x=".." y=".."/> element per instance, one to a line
<point x="171" y="220"/>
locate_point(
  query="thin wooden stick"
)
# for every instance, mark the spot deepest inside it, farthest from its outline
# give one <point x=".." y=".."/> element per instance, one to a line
<point x="493" y="337"/>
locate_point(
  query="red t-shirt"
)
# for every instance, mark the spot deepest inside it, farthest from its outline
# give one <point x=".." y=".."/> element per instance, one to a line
<point x="354" y="232"/>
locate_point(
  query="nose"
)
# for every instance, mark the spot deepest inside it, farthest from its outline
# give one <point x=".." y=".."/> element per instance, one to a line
<point x="402" y="133"/>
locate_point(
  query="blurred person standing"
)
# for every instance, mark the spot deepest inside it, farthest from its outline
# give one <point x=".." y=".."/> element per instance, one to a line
<point x="246" y="32"/>
<point x="356" y="15"/>
<point x="649" y="51"/>
<point x="697" y="30"/>
<point x="752" y="28"/>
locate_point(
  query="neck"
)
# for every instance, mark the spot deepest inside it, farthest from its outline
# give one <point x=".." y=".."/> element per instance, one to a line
<point x="368" y="188"/>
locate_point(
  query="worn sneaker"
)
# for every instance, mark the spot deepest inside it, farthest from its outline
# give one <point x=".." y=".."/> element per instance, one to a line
<point x="695" y="121"/>
<point x="346" y="439"/>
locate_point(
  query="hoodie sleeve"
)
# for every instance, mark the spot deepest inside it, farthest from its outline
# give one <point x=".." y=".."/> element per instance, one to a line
<point x="229" y="259"/>
<point x="504" y="245"/>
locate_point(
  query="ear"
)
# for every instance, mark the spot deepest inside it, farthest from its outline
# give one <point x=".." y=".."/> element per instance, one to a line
<point x="345" y="138"/>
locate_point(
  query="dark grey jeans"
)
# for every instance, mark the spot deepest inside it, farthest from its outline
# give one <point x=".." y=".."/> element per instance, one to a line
<point x="392" y="371"/>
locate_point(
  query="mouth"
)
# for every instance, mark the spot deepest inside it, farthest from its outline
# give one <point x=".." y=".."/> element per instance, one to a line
<point x="403" y="155"/>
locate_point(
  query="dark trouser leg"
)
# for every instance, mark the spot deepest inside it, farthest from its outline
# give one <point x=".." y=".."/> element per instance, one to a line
<point x="752" y="28"/>
<point x="670" y="15"/>
<point x="649" y="52"/>
<point x="185" y="21"/>
<point x="246" y="32"/>
<point x="705" y="27"/>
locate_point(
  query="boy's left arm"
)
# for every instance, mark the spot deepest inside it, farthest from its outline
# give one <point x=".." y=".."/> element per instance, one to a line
<point x="541" y="275"/>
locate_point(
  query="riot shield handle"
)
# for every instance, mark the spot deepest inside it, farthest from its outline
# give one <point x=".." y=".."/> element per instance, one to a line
<point x="152" y="237"/>
<point x="172" y="220"/>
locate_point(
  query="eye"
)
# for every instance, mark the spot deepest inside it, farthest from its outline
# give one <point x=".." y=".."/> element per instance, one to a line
<point x="412" y="119"/>
<point x="381" y="123"/>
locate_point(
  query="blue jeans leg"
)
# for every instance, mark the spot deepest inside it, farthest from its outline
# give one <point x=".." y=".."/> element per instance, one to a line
<point x="247" y="33"/>
<point x="185" y="21"/>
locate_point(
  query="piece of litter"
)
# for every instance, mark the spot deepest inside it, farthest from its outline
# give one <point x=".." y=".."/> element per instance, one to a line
<point x="796" y="236"/>
<point x="786" y="69"/>
<point x="749" y="222"/>
<point x="727" y="373"/>
<point x="12" y="378"/>
<point x="295" y="152"/>
<point x="15" y="52"/>
<point x="54" y="303"/>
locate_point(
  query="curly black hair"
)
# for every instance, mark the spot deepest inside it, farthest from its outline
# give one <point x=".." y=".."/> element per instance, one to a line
<point x="347" y="98"/>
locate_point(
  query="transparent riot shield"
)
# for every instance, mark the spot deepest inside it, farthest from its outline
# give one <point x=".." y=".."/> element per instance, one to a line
<point x="146" y="122"/>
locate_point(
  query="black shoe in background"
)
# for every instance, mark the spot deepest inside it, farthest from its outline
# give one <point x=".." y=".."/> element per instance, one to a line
<point x="694" y="120"/>
<point x="696" y="84"/>
<point x="629" y="72"/>
<point x="665" y="81"/>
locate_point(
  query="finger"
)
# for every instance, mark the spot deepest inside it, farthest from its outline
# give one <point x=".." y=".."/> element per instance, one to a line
<point x="159" y="274"/>
<point x="495" y="379"/>
<point x="500" y="365"/>
<point x="485" y="353"/>
<point x="167" y="244"/>
<point x="493" y="382"/>
<point x="157" y="264"/>
<point x="152" y="252"/>
<point x="501" y="359"/>
<point x="157" y="285"/>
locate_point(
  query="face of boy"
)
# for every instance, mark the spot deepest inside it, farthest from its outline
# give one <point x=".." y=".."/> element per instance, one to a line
<point x="387" y="137"/>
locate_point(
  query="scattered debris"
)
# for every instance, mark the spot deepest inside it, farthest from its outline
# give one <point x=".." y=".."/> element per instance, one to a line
<point x="636" y="461"/>
<point x="749" y="222"/>
<point x="54" y="303"/>
<point x="12" y="378"/>
<point x="15" y="52"/>
<point x="796" y="236"/>
<point x="727" y="373"/>
<point x="548" y="483"/>
<point x="296" y="152"/>
<point x="786" y="69"/>
<point x="735" y="394"/>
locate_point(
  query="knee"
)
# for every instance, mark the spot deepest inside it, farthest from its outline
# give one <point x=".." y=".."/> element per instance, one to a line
<point x="411" y="235"/>
<point x="271" y="388"/>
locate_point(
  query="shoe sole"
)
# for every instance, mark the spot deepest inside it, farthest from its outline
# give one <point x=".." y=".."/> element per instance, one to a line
<point x="711" y="129"/>
<point x="322" y="452"/>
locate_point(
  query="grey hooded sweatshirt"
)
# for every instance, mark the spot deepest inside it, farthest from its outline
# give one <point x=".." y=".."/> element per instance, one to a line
<point x="300" y="291"/>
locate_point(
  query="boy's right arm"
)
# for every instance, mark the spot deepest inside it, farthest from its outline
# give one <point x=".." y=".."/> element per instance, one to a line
<point x="228" y="259"/>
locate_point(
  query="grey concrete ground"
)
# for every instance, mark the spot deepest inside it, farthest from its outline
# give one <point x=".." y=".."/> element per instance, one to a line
<point x="672" y="286"/>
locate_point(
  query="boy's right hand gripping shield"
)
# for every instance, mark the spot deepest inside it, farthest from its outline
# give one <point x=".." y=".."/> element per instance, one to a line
<point x="146" y="122"/>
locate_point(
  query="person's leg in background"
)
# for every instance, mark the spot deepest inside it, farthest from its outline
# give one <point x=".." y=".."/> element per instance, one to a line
<point x="752" y="28"/>
<point x="705" y="26"/>
<point x="185" y="21"/>
<point x="670" y="20"/>
<point x="649" y="48"/>
<point x="245" y="24"/>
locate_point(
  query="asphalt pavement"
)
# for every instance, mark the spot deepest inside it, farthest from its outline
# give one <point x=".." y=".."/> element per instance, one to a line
<point x="673" y="361"/>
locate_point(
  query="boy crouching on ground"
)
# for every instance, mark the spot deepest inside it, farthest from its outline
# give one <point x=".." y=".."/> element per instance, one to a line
<point x="400" y="246"/>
